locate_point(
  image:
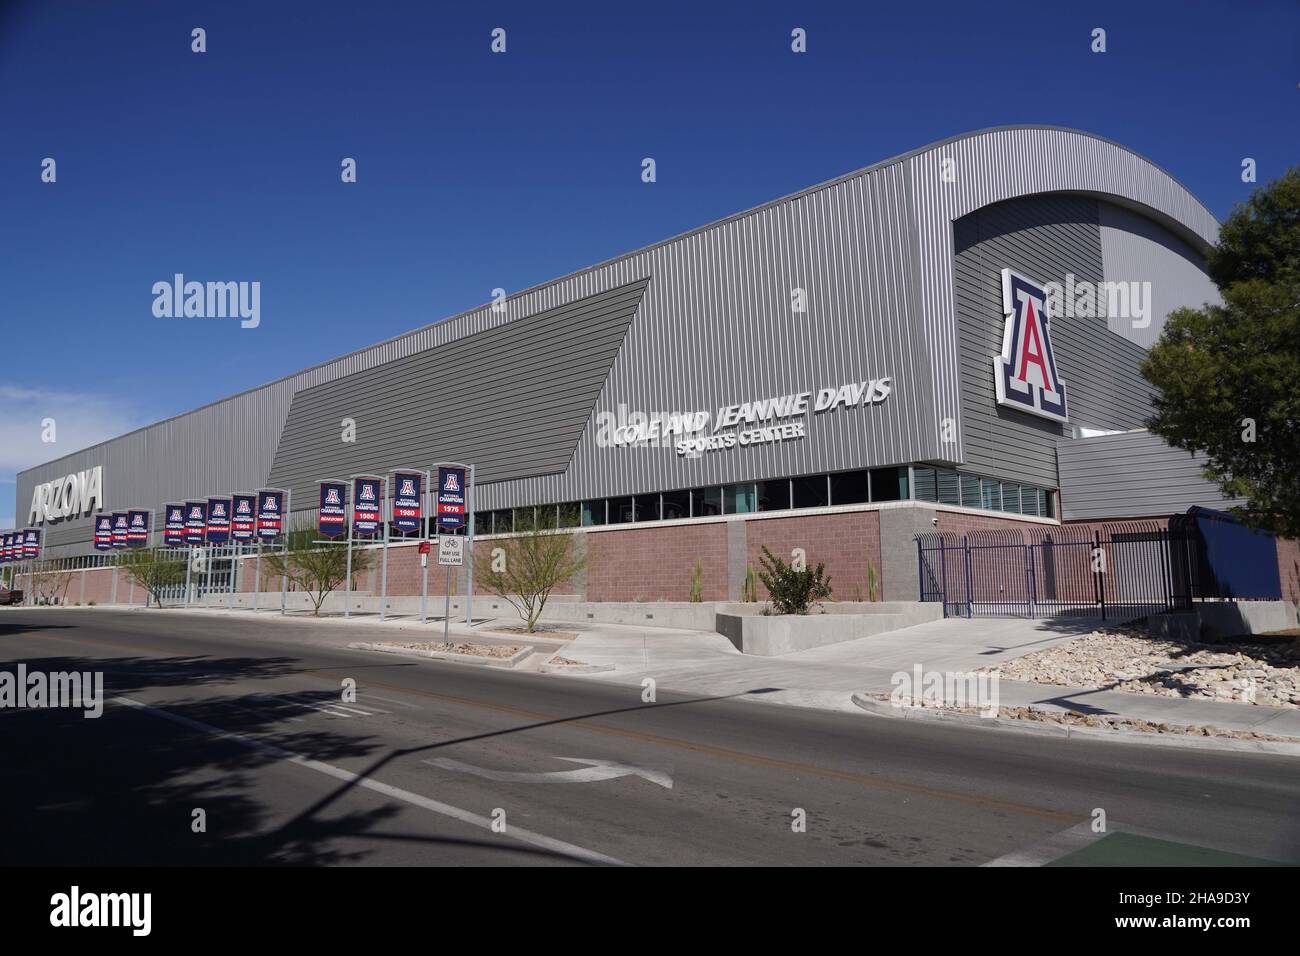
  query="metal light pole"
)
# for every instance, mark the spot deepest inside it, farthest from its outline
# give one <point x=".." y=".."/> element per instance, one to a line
<point x="469" y="551"/>
<point x="284" y="536"/>
<point x="385" y="512"/>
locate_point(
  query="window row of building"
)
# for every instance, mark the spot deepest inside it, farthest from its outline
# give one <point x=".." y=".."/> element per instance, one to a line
<point x="921" y="483"/>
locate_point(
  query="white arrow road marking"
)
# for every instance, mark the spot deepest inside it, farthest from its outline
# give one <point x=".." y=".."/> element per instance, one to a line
<point x="415" y="799"/>
<point x="598" y="770"/>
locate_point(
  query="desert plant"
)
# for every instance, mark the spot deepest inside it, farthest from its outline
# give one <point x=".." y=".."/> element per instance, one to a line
<point x="792" y="590"/>
<point x="153" y="571"/>
<point x="749" y="592"/>
<point x="873" y="583"/>
<point x="697" y="583"/>
<point x="524" y="568"/>
<point x="314" y="567"/>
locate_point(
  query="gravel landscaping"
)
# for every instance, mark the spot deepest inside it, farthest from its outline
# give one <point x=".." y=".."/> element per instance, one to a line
<point x="453" y="647"/>
<point x="1126" y="658"/>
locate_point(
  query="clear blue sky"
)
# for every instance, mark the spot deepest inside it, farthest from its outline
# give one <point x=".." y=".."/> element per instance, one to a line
<point x="478" y="170"/>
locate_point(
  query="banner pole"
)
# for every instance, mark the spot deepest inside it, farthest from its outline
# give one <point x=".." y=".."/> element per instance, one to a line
<point x="234" y="566"/>
<point x="383" y="585"/>
<point x="257" y="569"/>
<point x="469" y="549"/>
<point x="115" y="567"/>
<point x="347" y="582"/>
<point x="189" y="564"/>
<point x="424" y="558"/>
<point x="284" y="535"/>
<point x="446" y="614"/>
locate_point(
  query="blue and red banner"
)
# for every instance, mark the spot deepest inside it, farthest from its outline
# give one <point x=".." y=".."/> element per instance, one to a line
<point x="451" y="498"/>
<point x="174" y="525"/>
<point x="367" y="506"/>
<point x="333" y="517"/>
<point x="121" y="522"/>
<point x="408" y="501"/>
<point x="243" y="522"/>
<point x="196" y="521"/>
<point x="6" y="547"/>
<point x="270" y="514"/>
<point x="32" y="543"/>
<point x="137" y="529"/>
<point x="103" y="532"/>
<point x="218" y="527"/>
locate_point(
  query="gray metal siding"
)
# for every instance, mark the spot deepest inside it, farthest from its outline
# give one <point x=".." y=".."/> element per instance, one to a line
<point x="1135" y="249"/>
<point x="874" y="249"/>
<point x="1131" y="475"/>
<point x="1044" y="238"/>
<point x="513" y="400"/>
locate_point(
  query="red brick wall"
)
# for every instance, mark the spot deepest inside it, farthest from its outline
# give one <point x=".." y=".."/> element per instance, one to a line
<point x="657" y="563"/>
<point x="846" y="542"/>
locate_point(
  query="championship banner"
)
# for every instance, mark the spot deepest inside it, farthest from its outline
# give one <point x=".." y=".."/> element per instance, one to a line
<point x="218" y="527"/>
<point x="451" y="498"/>
<point x="121" y="524"/>
<point x="242" y="523"/>
<point x="367" y="511"/>
<point x="408" y="510"/>
<point x="270" y="514"/>
<point x="333" y="518"/>
<point x="103" y="532"/>
<point x="137" y="529"/>
<point x="174" y="525"/>
<point x="6" y="548"/>
<point x="196" y="521"/>
<point x="32" y="543"/>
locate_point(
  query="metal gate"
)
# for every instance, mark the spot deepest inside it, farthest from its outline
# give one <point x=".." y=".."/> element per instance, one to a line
<point x="1117" y="574"/>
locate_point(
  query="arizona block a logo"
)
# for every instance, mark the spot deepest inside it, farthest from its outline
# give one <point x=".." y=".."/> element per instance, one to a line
<point x="1025" y="372"/>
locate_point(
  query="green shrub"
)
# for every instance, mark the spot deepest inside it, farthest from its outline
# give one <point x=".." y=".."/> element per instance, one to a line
<point x="697" y="583"/>
<point x="792" y="590"/>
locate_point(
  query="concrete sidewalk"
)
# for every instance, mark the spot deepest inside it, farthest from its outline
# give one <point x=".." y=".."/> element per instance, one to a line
<point x="707" y="665"/>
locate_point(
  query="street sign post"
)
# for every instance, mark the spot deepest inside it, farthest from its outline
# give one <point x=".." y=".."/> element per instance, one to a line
<point x="451" y="552"/>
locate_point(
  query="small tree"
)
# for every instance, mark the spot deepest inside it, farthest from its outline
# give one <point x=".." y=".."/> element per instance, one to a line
<point x="315" y="567"/>
<point x="525" y="567"/>
<point x="1227" y="374"/>
<point x="793" y="590"/>
<point x="153" y="571"/>
<point x="48" y="586"/>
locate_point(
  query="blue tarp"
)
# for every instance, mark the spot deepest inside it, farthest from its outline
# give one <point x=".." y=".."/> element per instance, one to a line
<point x="1240" y="561"/>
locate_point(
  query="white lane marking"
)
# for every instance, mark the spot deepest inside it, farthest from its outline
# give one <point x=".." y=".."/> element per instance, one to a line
<point x="1053" y="848"/>
<point x="354" y="710"/>
<point x="334" y="710"/>
<point x="596" y="770"/>
<point x="397" y="793"/>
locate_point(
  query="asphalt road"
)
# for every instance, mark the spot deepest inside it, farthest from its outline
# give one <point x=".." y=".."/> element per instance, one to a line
<point x="244" y="720"/>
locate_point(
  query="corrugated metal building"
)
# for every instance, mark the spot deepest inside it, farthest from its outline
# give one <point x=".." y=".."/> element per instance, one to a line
<point x="888" y="280"/>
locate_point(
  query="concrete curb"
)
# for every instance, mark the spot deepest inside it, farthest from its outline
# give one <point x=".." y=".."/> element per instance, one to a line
<point x="878" y="708"/>
<point x="506" y="662"/>
<point x="549" y="668"/>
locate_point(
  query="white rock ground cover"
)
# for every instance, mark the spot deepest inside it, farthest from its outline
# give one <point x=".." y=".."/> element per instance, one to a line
<point x="1128" y="659"/>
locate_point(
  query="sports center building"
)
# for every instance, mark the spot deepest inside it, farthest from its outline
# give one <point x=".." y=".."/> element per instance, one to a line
<point x="945" y="341"/>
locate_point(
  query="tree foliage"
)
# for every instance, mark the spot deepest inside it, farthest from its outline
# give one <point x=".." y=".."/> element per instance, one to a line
<point x="153" y="571"/>
<point x="316" y="568"/>
<point x="792" y="590"/>
<point x="527" y="566"/>
<point x="1229" y="374"/>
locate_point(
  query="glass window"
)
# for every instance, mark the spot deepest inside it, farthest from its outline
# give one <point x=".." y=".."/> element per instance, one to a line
<point x="738" y="499"/>
<point x="949" y="487"/>
<point x="774" y="495"/>
<point x="927" y="484"/>
<point x="593" y="512"/>
<point x="569" y="515"/>
<point x="809" y="492"/>
<point x="848" y="488"/>
<point x="524" y="518"/>
<point x="990" y="494"/>
<point x="1010" y="496"/>
<point x="647" y="507"/>
<point x="888" y="484"/>
<point x="502" y="522"/>
<point x="970" y="491"/>
<point x="706" y="501"/>
<point x="482" y="522"/>
<point x="620" y="510"/>
<point x="677" y="504"/>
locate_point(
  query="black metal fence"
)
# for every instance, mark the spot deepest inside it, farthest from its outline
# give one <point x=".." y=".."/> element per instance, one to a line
<point x="1118" y="573"/>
